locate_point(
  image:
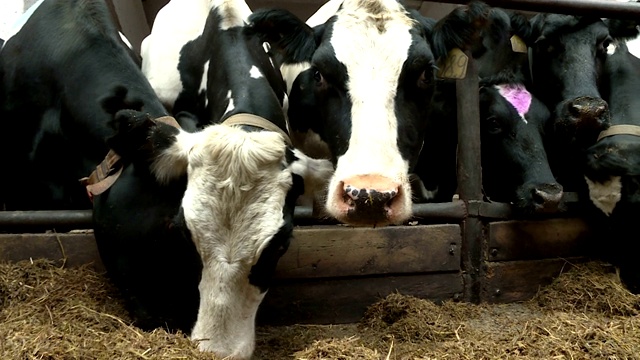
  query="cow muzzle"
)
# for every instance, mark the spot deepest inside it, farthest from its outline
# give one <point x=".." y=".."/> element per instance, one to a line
<point x="542" y="198"/>
<point x="370" y="200"/>
<point x="582" y="119"/>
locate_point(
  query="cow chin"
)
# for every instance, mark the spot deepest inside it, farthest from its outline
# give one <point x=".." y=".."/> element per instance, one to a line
<point x="226" y="316"/>
<point x="389" y="203"/>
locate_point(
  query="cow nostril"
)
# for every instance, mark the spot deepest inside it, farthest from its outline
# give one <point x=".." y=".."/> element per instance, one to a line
<point x="547" y="196"/>
<point x="576" y="110"/>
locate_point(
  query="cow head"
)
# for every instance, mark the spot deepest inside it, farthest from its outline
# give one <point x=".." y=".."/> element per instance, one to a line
<point x="370" y="72"/>
<point x="568" y="53"/>
<point x="242" y="184"/>
<point x="515" y="168"/>
<point x="613" y="162"/>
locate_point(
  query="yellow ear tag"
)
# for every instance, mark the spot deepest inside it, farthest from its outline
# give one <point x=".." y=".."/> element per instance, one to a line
<point x="518" y="45"/>
<point x="454" y="66"/>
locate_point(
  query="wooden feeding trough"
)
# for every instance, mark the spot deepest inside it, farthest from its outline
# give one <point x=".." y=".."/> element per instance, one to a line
<point x="468" y="249"/>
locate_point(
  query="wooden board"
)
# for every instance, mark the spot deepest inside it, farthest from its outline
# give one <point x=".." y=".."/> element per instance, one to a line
<point x="513" y="281"/>
<point x="345" y="300"/>
<point x="537" y="239"/>
<point x="315" y="252"/>
<point x="73" y="249"/>
<point x="338" y="251"/>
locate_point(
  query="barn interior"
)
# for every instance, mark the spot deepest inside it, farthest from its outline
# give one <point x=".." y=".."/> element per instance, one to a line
<point x="469" y="249"/>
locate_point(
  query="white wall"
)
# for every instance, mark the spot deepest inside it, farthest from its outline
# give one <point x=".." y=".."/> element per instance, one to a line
<point x="10" y="11"/>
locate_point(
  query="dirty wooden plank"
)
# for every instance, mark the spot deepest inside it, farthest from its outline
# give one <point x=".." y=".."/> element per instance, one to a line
<point x="512" y="281"/>
<point x="537" y="239"/>
<point x="74" y="248"/>
<point x="335" y="251"/>
<point x="340" y="301"/>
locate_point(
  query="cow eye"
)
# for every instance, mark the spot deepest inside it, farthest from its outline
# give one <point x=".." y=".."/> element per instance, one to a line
<point x="318" y="77"/>
<point x="493" y="126"/>
<point x="424" y="80"/>
<point x="604" y="44"/>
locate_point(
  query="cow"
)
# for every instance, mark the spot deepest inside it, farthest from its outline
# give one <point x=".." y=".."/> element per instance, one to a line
<point x="192" y="229"/>
<point x="612" y="170"/>
<point x="161" y="49"/>
<point x="369" y="74"/>
<point x="515" y="168"/>
<point x="60" y="87"/>
<point x="567" y="57"/>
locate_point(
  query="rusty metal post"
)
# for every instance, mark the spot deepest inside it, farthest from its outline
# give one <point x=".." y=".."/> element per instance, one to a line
<point x="470" y="180"/>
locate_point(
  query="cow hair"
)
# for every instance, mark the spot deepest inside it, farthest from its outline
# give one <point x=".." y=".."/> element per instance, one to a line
<point x="263" y="22"/>
<point x="554" y="24"/>
<point x="456" y="32"/>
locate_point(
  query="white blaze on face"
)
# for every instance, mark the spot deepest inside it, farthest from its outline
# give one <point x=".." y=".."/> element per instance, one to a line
<point x="255" y="72"/>
<point x="373" y="50"/>
<point x="237" y="184"/>
<point x="605" y="196"/>
<point x="231" y="105"/>
<point x="204" y="81"/>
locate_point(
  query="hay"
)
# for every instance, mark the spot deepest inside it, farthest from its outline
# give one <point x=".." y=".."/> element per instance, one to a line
<point x="52" y="313"/>
<point x="590" y="287"/>
<point x="334" y="349"/>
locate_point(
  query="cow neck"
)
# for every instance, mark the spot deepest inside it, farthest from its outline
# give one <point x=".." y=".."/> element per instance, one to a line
<point x="257" y="121"/>
<point x="625" y="129"/>
<point x="108" y="171"/>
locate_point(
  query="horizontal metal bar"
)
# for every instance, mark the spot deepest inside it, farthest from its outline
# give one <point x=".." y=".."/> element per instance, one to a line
<point x="82" y="219"/>
<point x="599" y="8"/>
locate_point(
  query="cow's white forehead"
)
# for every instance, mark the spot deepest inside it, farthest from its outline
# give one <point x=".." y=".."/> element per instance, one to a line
<point x="237" y="184"/>
<point x="373" y="41"/>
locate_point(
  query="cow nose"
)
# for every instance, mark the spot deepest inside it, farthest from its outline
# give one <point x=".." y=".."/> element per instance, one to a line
<point x="370" y="197"/>
<point x="546" y="197"/>
<point x="587" y="107"/>
<point x="588" y="112"/>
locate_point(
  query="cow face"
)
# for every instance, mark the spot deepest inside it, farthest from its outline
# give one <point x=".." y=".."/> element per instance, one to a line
<point x="515" y="168"/>
<point x="613" y="162"/>
<point x="567" y="59"/>
<point x="370" y="77"/>
<point x="238" y="210"/>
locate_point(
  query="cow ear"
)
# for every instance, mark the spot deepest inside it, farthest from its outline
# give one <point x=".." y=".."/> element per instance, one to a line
<point x="132" y="128"/>
<point x="314" y="172"/>
<point x="289" y="36"/>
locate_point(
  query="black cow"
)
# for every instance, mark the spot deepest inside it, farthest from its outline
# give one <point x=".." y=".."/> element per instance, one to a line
<point x="369" y="77"/>
<point x="568" y="53"/>
<point x="612" y="170"/>
<point x="515" y="168"/>
<point x="64" y="74"/>
<point x="193" y="228"/>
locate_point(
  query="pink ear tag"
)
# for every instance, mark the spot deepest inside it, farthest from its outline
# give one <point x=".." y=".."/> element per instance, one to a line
<point x="517" y="96"/>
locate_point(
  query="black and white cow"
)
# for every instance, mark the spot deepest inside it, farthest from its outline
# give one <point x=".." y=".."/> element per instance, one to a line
<point x="176" y="24"/>
<point x="612" y="170"/>
<point x="193" y="228"/>
<point x="568" y="54"/>
<point x="58" y="71"/>
<point x="515" y="168"/>
<point x="368" y="79"/>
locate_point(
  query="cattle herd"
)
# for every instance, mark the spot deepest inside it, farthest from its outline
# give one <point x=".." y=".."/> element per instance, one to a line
<point x="207" y="134"/>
